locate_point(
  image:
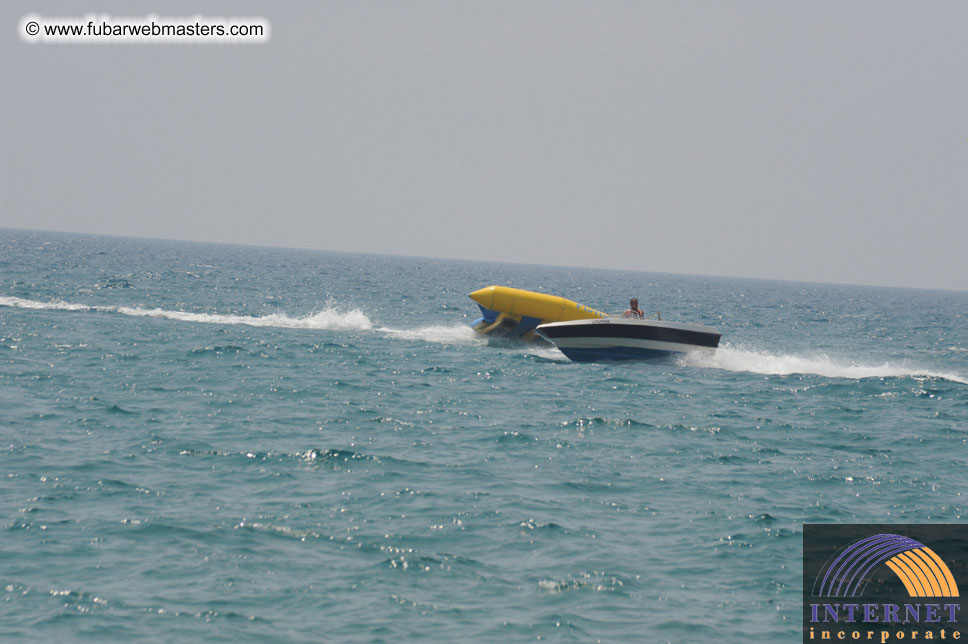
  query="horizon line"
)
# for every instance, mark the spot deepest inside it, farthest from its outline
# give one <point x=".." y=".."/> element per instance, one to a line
<point x="480" y="261"/>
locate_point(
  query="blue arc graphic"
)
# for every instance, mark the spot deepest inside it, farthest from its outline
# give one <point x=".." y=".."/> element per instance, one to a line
<point x="848" y="572"/>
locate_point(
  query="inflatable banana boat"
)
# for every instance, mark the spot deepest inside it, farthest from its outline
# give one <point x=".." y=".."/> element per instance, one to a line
<point x="516" y="312"/>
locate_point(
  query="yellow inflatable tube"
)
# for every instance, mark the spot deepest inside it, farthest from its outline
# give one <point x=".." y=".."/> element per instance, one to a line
<point x="516" y="303"/>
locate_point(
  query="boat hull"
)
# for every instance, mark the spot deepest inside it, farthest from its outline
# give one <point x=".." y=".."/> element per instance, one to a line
<point x="627" y="339"/>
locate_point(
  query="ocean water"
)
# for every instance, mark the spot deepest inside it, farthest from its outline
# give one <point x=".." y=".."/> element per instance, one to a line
<point x="222" y="443"/>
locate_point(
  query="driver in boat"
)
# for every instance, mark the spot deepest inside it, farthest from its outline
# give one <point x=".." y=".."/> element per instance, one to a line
<point x="633" y="311"/>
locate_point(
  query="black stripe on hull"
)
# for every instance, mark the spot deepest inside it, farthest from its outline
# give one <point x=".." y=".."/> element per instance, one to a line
<point x="636" y="331"/>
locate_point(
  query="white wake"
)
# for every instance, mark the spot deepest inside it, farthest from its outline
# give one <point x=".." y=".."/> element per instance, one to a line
<point x="325" y="319"/>
<point x="726" y="357"/>
<point x="329" y="318"/>
<point x="441" y="333"/>
<point x="730" y="358"/>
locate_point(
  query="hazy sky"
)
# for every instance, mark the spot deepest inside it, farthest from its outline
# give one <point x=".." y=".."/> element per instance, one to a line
<point x="817" y="141"/>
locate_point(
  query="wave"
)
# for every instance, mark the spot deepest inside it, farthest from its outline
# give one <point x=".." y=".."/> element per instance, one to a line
<point x="44" y="306"/>
<point x="442" y="333"/>
<point x="329" y="318"/>
<point x="545" y="351"/>
<point x="732" y="358"/>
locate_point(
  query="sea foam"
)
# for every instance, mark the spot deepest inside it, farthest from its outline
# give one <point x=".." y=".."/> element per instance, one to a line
<point x="329" y="318"/>
<point x="441" y="333"/>
<point x="735" y="358"/>
<point x="727" y="357"/>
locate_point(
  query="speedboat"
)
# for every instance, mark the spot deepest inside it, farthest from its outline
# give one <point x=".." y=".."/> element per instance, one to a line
<point x="619" y="338"/>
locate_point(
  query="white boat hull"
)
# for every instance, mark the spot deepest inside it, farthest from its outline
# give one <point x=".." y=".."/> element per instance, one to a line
<point x="627" y="339"/>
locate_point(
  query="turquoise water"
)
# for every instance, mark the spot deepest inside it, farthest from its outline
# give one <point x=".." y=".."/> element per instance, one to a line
<point x="221" y="443"/>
